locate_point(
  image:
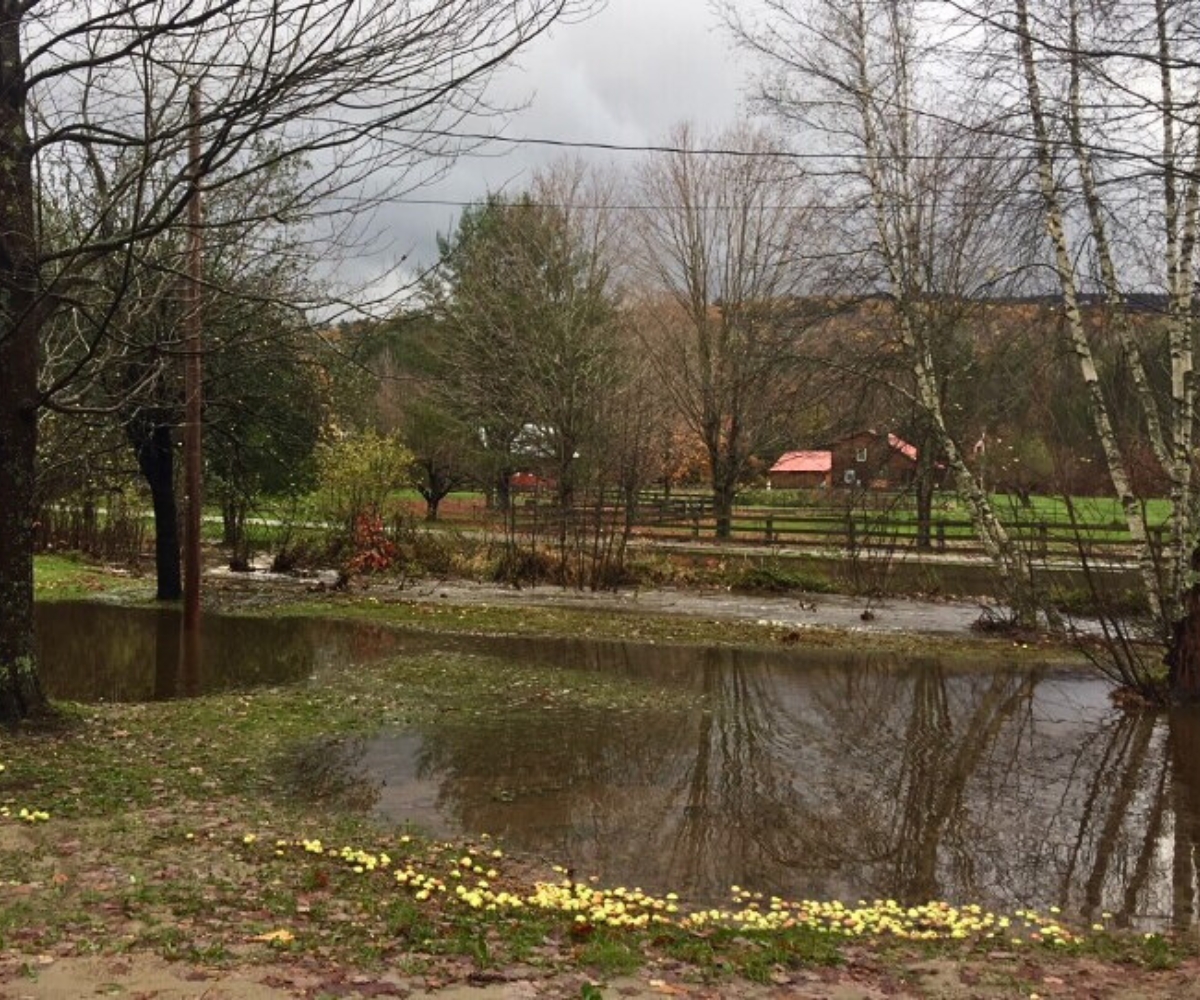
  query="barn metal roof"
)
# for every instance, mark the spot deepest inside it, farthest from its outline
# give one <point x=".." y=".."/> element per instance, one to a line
<point x="804" y="461"/>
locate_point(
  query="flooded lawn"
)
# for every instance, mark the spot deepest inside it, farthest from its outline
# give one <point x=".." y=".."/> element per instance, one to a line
<point x="807" y="773"/>
<point x="99" y="652"/>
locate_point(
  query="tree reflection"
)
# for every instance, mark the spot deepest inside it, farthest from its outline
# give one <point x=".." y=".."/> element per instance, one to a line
<point x="1184" y="753"/>
<point x="734" y="804"/>
<point x="820" y="780"/>
<point x="1121" y="766"/>
<point x="920" y="753"/>
<point x="97" y="652"/>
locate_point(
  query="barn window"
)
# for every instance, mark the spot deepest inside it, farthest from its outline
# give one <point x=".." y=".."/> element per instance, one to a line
<point x="850" y="478"/>
<point x="860" y="455"/>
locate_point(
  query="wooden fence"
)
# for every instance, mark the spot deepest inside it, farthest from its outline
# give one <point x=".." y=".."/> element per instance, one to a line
<point x="689" y="517"/>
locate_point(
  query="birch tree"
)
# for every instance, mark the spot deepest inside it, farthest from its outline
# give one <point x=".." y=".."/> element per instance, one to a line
<point x="1109" y="95"/>
<point x="926" y="207"/>
<point x="365" y="95"/>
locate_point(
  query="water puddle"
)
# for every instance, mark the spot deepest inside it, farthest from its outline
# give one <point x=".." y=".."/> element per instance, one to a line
<point x="854" y="780"/>
<point x="806" y="773"/>
<point x="99" y="652"/>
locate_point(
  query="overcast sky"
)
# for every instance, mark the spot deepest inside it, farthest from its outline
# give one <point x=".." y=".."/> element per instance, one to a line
<point x="627" y="75"/>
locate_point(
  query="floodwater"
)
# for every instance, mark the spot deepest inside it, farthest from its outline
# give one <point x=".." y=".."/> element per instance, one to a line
<point x="810" y="774"/>
<point x="816" y="779"/>
<point x="101" y="652"/>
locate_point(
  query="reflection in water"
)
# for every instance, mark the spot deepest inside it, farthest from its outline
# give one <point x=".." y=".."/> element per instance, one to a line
<point x="852" y="779"/>
<point x="98" y="652"/>
<point x="799" y="772"/>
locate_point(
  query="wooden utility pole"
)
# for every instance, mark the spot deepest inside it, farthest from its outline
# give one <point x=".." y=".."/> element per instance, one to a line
<point x="192" y="378"/>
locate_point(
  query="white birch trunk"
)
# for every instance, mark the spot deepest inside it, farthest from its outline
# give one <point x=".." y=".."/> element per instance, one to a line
<point x="1077" y="335"/>
<point x="902" y="259"/>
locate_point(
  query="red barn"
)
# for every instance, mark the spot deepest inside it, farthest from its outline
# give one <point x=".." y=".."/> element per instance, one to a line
<point x="874" y="460"/>
<point x="800" y="470"/>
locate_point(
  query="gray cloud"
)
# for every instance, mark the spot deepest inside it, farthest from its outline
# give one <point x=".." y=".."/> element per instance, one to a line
<point x="627" y="75"/>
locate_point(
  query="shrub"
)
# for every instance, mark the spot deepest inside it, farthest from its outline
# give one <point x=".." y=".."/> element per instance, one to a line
<point x="374" y="551"/>
<point x="772" y="578"/>
<point x="356" y="475"/>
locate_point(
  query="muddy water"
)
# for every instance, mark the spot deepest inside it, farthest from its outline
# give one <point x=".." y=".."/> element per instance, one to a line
<point x="853" y="779"/>
<point x="97" y="652"/>
<point x="798" y="772"/>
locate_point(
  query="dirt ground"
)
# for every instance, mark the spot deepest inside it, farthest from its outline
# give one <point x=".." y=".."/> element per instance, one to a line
<point x="149" y="977"/>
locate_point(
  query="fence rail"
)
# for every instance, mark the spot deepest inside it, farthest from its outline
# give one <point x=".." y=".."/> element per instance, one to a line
<point x="690" y="517"/>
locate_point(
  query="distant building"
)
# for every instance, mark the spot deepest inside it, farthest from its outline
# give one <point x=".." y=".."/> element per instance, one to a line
<point x="873" y="460"/>
<point x="802" y="470"/>
<point x="529" y="482"/>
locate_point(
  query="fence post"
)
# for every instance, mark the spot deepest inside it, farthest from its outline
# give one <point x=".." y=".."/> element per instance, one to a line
<point x="941" y="536"/>
<point x="1043" y="539"/>
<point x="770" y="528"/>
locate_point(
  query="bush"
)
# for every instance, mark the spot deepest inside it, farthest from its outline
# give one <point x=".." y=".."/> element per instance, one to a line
<point x="771" y="578"/>
<point x="1126" y="605"/>
<point x="525" y="567"/>
<point x="357" y="475"/>
<point x="304" y="552"/>
<point x="112" y="529"/>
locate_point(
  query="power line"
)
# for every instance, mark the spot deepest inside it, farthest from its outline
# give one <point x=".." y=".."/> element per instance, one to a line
<point x="667" y="148"/>
<point x="1019" y="202"/>
<point x="779" y="154"/>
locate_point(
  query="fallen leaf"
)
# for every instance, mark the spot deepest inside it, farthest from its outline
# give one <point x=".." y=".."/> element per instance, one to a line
<point x="281" y="936"/>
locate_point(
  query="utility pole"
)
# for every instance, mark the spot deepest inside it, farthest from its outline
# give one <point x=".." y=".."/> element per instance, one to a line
<point x="192" y="379"/>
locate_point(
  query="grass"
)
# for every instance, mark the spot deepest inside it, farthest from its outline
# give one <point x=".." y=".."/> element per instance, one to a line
<point x="58" y="578"/>
<point x="172" y="828"/>
<point x="773" y="578"/>
<point x="196" y="870"/>
<point x="70" y="577"/>
<point x="170" y="831"/>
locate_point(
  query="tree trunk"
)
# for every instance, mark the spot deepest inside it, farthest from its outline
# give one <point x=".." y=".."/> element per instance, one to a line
<point x="432" y="502"/>
<point x="20" y="690"/>
<point x="1183" y="653"/>
<point x="723" y="497"/>
<point x="156" y="459"/>
<point x="230" y="534"/>
<point x="234" y="511"/>
<point x="502" y="487"/>
<point x="924" y="491"/>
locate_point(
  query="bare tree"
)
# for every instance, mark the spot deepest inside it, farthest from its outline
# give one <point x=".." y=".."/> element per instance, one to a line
<point x="926" y="205"/>
<point x="722" y="257"/>
<point x="93" y="105"/>
<point x="1108" y="95"/>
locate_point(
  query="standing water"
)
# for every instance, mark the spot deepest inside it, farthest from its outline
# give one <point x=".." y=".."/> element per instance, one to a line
<point x="805" y="773"/>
